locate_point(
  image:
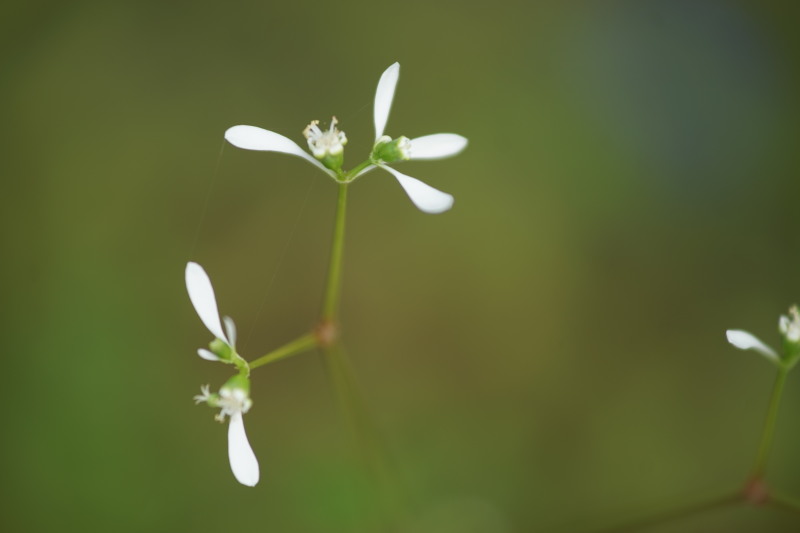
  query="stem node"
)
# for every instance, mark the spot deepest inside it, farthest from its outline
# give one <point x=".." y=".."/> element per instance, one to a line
<point x="326" y="333"/>
<point x="756" y="491"/>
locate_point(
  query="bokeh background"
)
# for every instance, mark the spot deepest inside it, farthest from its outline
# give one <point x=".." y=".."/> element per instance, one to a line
<point x="548" y="356"/>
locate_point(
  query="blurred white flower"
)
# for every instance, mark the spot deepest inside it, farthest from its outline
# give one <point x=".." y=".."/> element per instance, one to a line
<point x="789" y="326"/>
<point x="330" y="143"/>
<point x="747" y="341"/>
<point x="201" y="293"/>
<point x="233" y="401"/>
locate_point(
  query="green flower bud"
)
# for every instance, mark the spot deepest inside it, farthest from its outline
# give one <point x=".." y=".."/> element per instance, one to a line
<point x="221" y="349"/>
<point x="237" y="382"/>
<point x="388" y="150"/>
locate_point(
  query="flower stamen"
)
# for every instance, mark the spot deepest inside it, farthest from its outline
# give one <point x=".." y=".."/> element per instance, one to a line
<point x="790" y="325"/>
<point x="325" y="143"/>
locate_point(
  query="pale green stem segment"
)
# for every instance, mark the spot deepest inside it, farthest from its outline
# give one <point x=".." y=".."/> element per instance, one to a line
<point x="351" y="175"/>
<point x="297" y="346"/>
<point x="784" y="501"/>
<point x="334" y="284"/>
<point x="350" y="401"/>
<point x="769" y="424"/>
<point x="364" y="435"/>
<point x="240" y="363"/>
<point x="676" y="514"/>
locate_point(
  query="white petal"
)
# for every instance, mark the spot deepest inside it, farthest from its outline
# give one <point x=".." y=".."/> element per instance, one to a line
<point x="230" y="329"/>
<point x="384" y="96"/>
<point x="207" y="355"/>
<point x="202" y="296"/>
<point x="437" y="146"/>
<point x="253" y="138"/>
<point x="425" y="197"/>
<point x="746" y="341"/>
<point x="243" y="461"/>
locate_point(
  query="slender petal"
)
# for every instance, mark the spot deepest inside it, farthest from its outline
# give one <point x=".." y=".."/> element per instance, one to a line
<point x="746" y="341"/>
<point x="437" y="146"/>
<point x="230" y="329"/>
<point x="201" y="293"/>
<point x="384" y="96"/>
<point x="425" y="197"/>
<point x="243" y="461"/>
<point x="207" y="355"/>
<point x="253" y="138"/>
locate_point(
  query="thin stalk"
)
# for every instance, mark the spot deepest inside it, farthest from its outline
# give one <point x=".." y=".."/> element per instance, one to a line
<point x="333" y="286"/>
<point x="353" y="173"/>
<point x="365" y="436"/>
<point x="678" y="514"/>
<point x="350" y="401"/>
<point x="297" y="346"/>
<point x="785" y="502"/>
<point x="769" y="424"/>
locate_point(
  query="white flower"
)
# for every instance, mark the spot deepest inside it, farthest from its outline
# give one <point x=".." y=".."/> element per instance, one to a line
<point x="789" y="326"/>
<point x="201" y="293"/>
<point x="436" y="146"/>
<point x="233" y="401"/>
<point x="747" y="341"/>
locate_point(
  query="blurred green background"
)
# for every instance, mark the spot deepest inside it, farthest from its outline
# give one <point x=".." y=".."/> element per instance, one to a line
<point x="548" y="356"/>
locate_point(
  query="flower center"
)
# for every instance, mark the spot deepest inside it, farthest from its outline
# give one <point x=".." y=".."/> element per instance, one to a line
<point x="232" y="401"/>
<point x="324" y="143"/>
<point x="790" y="326"/>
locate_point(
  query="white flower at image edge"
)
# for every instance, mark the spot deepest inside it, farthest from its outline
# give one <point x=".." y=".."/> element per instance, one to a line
<point x="436" y="146"/>
<point x="747" y="341"/>
<point x="233" y="402"/>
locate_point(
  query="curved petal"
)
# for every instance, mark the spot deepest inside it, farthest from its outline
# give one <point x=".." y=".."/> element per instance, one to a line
<point x="384" y="96"/>
<point x="437" y="146"/>
<point x="425" y="197"/>
<point x="243" y="461"/>
<point x="253" y="138"/>
<point x="207" y="355"/>
<point x="746" y="341"/>
<point x="230" y="329"/>
<point x="201" y="293"/>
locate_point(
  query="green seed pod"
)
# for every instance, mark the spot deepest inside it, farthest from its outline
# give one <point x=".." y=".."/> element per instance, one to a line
<point x="390" y="150"/>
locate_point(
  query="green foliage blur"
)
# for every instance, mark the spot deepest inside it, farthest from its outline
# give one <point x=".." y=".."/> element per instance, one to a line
<point x="547" y="356"/>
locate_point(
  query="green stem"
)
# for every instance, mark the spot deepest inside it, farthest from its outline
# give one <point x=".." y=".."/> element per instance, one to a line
<point x="677" y="514"/>
<point x="769" y="424"/>
<point x="297" y="346"/>
<point x="353" y="172"/>
<point x="365" y="437"/>
<point x="784" y="501"/>
<point x="350" y="401"/>
<point x="333" y="286"/>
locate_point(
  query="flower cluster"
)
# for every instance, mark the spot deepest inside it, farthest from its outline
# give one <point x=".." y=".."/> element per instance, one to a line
<point x="327" y="147"/>
<point x="233" y="399"/>
<point x="789" y="328"/>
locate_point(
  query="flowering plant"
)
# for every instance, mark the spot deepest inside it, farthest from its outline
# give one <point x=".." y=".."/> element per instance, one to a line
<point x="327" y="154"/>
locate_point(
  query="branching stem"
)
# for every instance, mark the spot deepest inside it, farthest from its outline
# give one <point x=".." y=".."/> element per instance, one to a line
<point x="769" y="425"/>
<point x="297" y="346"/>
